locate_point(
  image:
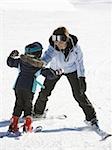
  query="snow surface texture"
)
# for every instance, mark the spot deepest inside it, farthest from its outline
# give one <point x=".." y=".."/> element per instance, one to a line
<point x="24" y="22"/>
<point x="89" y="1"/>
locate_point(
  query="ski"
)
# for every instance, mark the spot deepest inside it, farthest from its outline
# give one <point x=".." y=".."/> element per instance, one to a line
<point x="39" y="129"/>
<point x="60" y="117"/>
<point x="45" y="116"/>
<point x="104" y="135"/>
<point x="10" y="134"/>
<point x="17" y="134"/>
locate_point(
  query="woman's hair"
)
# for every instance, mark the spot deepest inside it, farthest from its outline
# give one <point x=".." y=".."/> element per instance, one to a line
<point x="61" y="31"/>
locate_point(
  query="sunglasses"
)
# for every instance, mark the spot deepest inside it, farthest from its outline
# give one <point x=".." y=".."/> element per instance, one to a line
<point x="59" y="38"/>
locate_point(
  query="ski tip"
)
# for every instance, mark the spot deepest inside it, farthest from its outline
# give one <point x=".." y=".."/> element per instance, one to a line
<point x="65" y="116"/>
<point x="105" y="137"/>
<point x="38" y="129"/>
<point x="1" y="136"/>
<point x="46" y="110"/>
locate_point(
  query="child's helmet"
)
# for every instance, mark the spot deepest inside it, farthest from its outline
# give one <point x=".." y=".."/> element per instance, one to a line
<point x="34" y="49"/>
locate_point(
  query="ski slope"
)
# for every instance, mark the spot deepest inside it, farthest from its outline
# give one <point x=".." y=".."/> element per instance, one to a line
<point x="37" y="5"/>
<point x="22" y="23"/>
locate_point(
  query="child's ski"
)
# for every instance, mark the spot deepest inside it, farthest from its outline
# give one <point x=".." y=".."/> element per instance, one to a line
<point x="10" y="134"/>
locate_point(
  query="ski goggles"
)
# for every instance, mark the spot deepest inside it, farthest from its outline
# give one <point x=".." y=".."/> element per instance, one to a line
<point x="59" y="38"/>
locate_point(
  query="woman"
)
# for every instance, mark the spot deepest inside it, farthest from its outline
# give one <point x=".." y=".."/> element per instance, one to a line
<point x="66" y="58"/>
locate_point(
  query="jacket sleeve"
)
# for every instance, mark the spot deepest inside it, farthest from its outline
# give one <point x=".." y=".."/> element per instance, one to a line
<point x="79" y="61"/>
<point x="48" y="55"/>
<point x="11" y="62"/>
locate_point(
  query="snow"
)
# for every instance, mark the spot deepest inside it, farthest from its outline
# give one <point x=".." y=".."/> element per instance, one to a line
<point x="38" y="5"/>
<point x="24" y="22"/>
<point x="89" y="1"/>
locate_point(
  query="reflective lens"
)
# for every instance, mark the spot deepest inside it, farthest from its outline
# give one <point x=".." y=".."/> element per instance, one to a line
<point x="59" y="38"/>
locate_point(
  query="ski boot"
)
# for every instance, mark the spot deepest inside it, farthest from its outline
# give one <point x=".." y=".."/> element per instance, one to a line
<point x="92" y="123"/>
<point x="13" y="127"/>
<point x="27" y="127"/>
<point x="39" y="116"/>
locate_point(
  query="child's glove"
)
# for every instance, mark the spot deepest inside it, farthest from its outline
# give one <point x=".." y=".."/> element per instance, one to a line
<point x="32" y="61"/>
<point x="49" y="73"/>
<point x="82" y="84"/>
<point x="14" y="53"/>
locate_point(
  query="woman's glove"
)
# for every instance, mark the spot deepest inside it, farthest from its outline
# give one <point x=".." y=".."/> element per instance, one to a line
<point x="82" y="84"/>
<point x="14" y="53"/>
<point x="49" y="73"/>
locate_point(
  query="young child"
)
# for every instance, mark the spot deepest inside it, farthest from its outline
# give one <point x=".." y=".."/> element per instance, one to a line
<point x="25" y="85"/>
